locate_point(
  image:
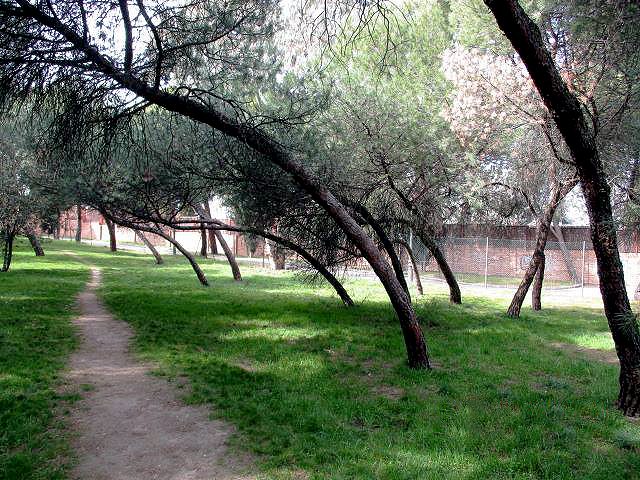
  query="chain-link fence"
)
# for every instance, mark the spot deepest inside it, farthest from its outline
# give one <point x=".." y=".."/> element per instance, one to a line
<point x="500" y="262"/>
<point x="477" y="261"/>
<point x="495" y="262"/>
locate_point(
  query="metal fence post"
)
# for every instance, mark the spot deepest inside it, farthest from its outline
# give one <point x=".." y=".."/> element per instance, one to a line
<point x="582" y="275"/>
<point x="486" y="264"/>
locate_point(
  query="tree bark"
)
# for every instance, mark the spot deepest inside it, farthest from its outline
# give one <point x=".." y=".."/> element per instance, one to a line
<point x="35" y="244"/>
<point x="203" y="242"/>
<point x="322" y="270"/>
<point x="79" y="223"/>
<point x="235" y="269"/>
<point x="151" y="247"/>
<point x="386" y="242"/>
<point x="414" y="264"/>
<point x="536" y="293"/>
<point x="454" y="289"/>
<point x="212" y="235"/>
<point x="113" y="246"/>
<point x="7" y="250"/>
<point x="56" y="228"/>
<point x="276" y="255"/>
<point x="526" y="38"/>
<point x="558" y="192"/>
<point x="196" y="268"/>
<point x="262" y="143"/>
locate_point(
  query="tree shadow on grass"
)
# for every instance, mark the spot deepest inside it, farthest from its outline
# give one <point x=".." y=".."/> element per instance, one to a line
<point x="297" y="404"/>
<point x="304" y="378"/>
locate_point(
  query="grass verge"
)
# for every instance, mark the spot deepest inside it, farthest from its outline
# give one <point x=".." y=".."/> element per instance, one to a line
<point x="36" y="336"/>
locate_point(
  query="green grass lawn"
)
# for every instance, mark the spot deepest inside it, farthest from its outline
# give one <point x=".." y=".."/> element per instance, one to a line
<point x="320" y="391"/>
<point x="36" y="305"/>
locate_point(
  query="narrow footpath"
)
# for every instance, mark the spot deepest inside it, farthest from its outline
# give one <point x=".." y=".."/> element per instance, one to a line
<point x="131" y="425"/>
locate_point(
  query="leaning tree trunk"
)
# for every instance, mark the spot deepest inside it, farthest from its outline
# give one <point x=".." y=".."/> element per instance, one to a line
<point x="259" y="141"/>
<point x="203" y="242"/>
<point x="231" y="259"/>
<point x="558" y="192"/>
<point x="311" y="260"/>
<point x="79" y="223"/>
<point x="150" y="246"/>
<point x="414" y="264"/>
<point x="233" y="263"/>
<point x="7" y="250"/>
<point x="213" y="245"/>
<point x="111" y="226"/>
<point x="536" y="292"/>
<point x="158" y="231"/>
<point x="386" y="242"/>
<point x="567" y="112"/>
<point x="196" y="268"/>
<point x="454" y="289"/>
<point x="35" y="244"/>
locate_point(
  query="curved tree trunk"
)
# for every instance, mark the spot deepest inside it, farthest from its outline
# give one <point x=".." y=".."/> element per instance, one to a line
<point x="536" y="293"/>
<point x="526" y="38"/>
<point x="235" y="269"/>
<point x="529" y="274"/>
<point x="454" y="289"/>
<point x="259" y="141"/>
<point x="417" y="354"/>
<point x="79" y="223"/>
<point x="35" y="244"/>
<point x="558" y="192"/>
<point x="196" y="268"/>
<point x="7" y="250"/>
<point x="322" y="270"/>
<point x="414" y="264"/>
<point x="151" y="247"/>
<point x="158" y="231"/>
<point x="386" y="242"/>
<point x="111" y="227"/>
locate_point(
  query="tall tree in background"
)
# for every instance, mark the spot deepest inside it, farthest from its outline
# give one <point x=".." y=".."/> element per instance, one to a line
<point x="395" y="155"/>
<point x="523" y="170"/>
<point x="580" y="137"/>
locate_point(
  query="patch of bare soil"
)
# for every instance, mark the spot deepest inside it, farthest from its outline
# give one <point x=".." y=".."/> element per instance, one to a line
<point x="604" y="356"/>
<point x="388" y="391"/>
<point x="131" y="425"/>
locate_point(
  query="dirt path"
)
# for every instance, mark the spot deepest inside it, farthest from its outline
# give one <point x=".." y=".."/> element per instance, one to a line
<point x="131" y="425"/>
